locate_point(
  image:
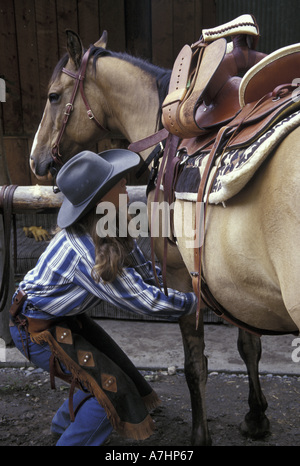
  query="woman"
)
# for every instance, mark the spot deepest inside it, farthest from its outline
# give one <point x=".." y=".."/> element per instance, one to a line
<point x="77" y="270"/>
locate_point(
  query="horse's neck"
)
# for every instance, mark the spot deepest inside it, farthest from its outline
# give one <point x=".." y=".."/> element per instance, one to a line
<point x="131" y="97"/>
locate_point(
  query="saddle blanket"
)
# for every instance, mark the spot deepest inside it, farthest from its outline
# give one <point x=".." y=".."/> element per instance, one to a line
<point x="233" y="169"/>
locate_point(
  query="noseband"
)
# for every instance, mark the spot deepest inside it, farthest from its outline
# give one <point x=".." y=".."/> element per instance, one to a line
<point x="79" y="78"/>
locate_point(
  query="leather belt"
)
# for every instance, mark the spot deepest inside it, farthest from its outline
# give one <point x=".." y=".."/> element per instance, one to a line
<point x="33" y="325"/>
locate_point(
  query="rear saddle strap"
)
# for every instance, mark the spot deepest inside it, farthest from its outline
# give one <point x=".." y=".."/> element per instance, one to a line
<point x="9" y="220"/>
<point x="196" y="274"/>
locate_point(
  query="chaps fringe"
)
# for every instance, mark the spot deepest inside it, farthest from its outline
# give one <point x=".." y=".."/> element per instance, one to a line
<point x="139" y="431"/>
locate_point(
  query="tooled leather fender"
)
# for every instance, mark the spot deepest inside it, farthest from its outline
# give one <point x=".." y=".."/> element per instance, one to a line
<point x="199" y="66"/>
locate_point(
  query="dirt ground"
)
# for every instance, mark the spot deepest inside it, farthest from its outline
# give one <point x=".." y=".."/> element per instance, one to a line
<point x="27" y="405"/>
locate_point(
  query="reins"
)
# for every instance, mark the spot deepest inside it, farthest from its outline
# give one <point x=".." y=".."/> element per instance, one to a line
<point x="79" y="78"/>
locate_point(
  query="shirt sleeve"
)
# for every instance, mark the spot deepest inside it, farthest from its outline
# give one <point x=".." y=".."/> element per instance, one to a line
<point x="135" y="290"/>
<point x="131" y="292"/>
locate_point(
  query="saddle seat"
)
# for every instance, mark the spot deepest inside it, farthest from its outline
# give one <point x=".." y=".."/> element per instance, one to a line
<point x="267" y="93"/>
<point x="280" y="67"/>
<point x="220" y="102"/>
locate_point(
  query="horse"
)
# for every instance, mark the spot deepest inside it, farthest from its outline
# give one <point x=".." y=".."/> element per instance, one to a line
<point x="250" y="259"/>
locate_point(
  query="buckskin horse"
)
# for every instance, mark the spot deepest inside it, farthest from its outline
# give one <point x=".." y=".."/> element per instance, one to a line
<point x="251" y="258"/>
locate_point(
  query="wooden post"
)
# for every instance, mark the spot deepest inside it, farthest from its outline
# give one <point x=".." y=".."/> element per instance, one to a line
<point x="4" y="179"/>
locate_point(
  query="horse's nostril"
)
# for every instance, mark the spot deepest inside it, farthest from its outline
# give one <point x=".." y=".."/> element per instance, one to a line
<point x="39" y="167"/>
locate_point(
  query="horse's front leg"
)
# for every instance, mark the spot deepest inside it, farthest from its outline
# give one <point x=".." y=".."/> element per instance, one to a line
<point x="196" y="376"/>
<point x="256" y="423"/>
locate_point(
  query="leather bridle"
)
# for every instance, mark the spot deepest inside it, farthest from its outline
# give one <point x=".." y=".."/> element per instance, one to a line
<point x="79" y="78"/>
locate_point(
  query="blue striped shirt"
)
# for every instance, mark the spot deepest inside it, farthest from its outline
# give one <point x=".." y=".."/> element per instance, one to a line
<point x="61" y="284"/>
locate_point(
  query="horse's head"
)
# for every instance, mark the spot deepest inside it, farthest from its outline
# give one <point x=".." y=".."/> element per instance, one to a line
<point x="68" y="123"/>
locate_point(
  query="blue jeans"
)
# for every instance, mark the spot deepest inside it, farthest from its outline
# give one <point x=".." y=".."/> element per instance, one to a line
<point x="91" y="426"/>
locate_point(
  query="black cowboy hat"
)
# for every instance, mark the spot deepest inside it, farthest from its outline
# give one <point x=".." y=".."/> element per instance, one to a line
<point x="86" y="177"/>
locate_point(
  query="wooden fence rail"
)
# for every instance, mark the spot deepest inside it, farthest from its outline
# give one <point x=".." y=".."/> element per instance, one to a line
<point x="42" y="198"/>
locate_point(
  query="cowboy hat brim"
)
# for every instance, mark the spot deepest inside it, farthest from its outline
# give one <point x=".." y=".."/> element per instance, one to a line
<point x="121" y="162"/>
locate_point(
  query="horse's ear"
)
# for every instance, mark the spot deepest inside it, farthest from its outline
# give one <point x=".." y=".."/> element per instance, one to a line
<point x="74" y="47"/>
<point x="102" y="42"/>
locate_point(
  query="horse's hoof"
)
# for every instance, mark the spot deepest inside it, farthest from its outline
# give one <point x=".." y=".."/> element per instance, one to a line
<point x="255" y="427"/>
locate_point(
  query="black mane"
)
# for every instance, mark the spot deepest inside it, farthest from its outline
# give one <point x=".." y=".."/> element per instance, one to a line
<point x="161" y="75"/>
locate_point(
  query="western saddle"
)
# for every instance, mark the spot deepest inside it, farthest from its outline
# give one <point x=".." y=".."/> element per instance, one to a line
<point x="221" y="95"/>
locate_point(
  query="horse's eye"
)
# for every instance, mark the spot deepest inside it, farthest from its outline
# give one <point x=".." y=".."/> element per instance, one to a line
<point x="53" y="97"/>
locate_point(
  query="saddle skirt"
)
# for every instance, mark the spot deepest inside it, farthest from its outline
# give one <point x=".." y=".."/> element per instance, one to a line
<point x="233" y="169"/>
